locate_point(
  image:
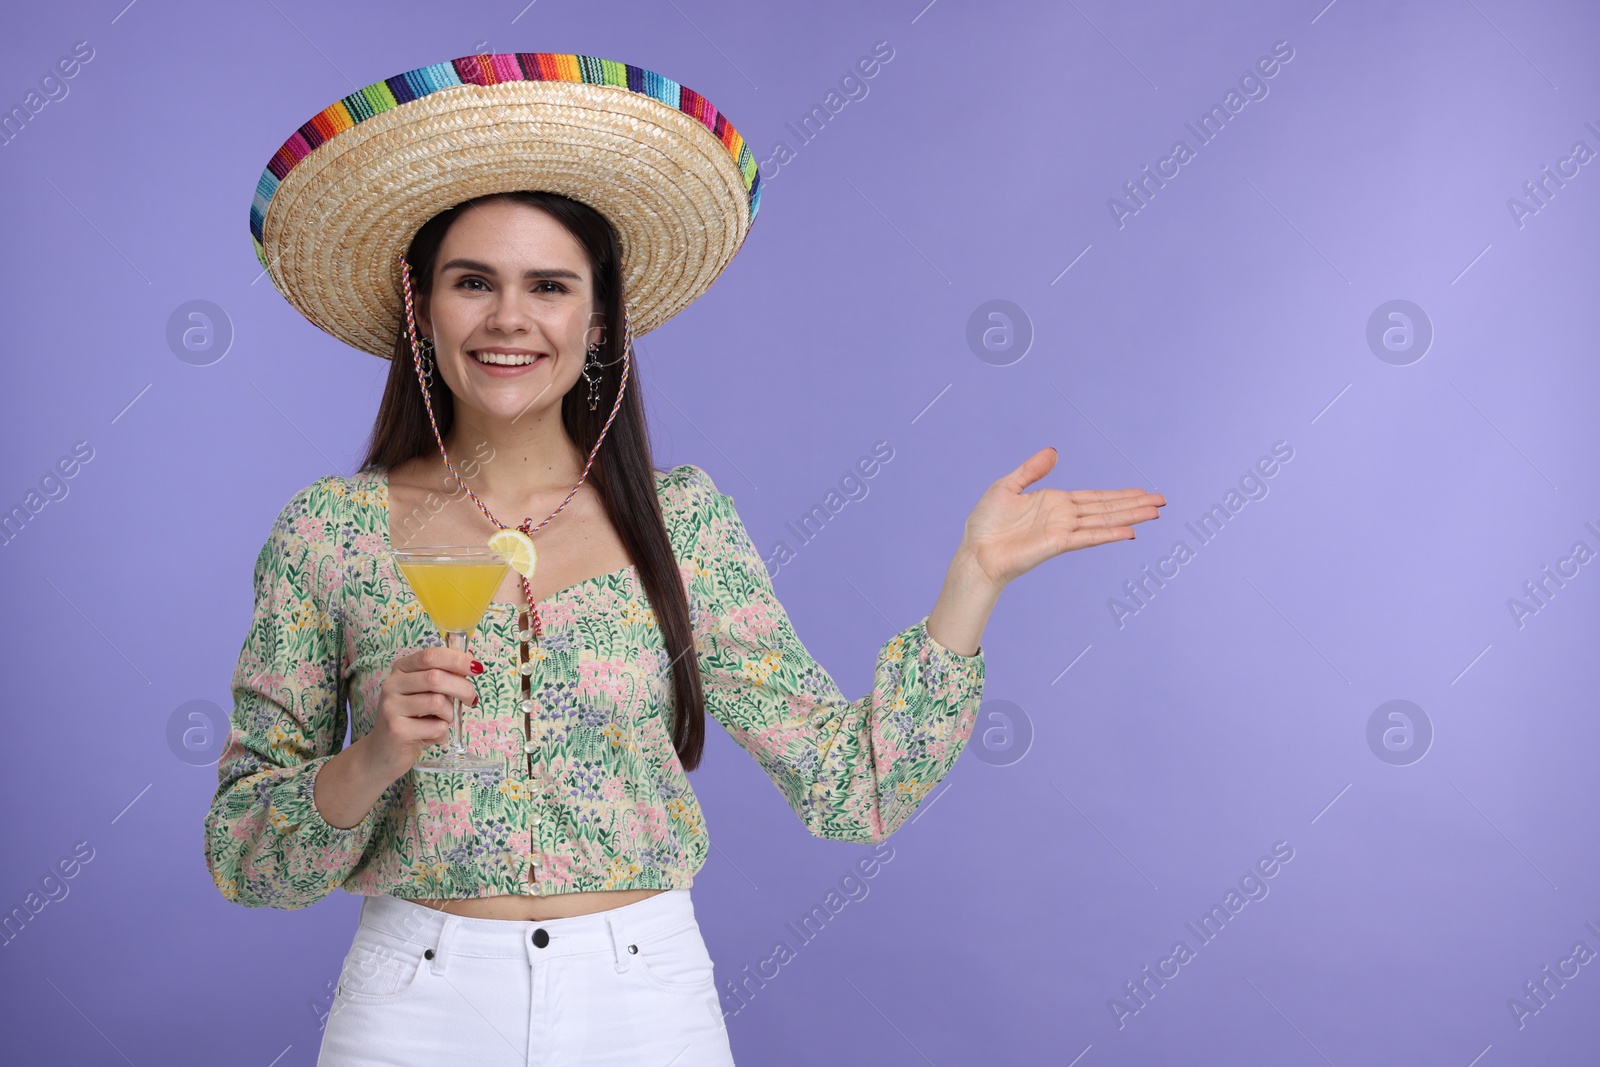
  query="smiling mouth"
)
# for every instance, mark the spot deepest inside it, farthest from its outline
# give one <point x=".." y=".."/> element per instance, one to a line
<point x="507" y="359"/>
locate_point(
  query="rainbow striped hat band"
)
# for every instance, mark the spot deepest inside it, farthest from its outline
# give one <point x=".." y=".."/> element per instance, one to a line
<point x="342" y="198"/>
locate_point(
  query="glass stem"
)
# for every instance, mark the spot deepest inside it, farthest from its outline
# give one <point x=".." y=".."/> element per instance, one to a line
<point x="458" y="641"/>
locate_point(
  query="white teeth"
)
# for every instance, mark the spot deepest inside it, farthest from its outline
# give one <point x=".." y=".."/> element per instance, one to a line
<point x="503" y="359"/>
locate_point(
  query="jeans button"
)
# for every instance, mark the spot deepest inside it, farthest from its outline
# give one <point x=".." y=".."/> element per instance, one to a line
<point x="540" y="938"/>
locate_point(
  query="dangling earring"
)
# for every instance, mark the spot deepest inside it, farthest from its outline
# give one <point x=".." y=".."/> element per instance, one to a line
<point x="425" y="360"/>
<point x="591" y="374"/>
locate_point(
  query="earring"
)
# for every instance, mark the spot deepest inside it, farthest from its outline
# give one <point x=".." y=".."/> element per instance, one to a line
<point x="425" y="360"/>
<point x="591" y="374"/>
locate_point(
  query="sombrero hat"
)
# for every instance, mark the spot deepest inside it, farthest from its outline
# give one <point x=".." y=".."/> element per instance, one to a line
<point x="340" y="202"/>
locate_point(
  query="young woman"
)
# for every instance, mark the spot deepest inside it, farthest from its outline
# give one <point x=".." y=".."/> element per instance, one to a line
<point x="541" y="913"/>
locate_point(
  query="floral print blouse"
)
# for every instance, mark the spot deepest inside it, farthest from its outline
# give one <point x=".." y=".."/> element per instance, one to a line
<point x="592" y="795"/>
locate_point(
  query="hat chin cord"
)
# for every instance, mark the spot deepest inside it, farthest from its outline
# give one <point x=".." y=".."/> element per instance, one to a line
<point x="425" y="375"/>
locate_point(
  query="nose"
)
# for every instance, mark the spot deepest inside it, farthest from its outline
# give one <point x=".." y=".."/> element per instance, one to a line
<point x="507" y="314"/>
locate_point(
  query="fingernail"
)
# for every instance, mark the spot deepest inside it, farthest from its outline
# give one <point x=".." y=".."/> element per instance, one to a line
<point x="477" y="668"/>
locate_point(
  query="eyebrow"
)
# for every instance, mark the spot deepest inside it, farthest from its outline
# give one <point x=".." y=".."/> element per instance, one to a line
<point x="484" y="268"/>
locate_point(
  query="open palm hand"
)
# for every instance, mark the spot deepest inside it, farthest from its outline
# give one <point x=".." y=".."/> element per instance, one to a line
<point x="1010" y="532"/>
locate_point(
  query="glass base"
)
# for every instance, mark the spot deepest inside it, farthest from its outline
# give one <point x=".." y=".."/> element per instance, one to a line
<point x="465" y="762"/>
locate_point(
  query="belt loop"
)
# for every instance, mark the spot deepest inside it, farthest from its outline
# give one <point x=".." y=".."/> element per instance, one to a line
<point x="618" y="947"/>
<point x="441" y="947"/>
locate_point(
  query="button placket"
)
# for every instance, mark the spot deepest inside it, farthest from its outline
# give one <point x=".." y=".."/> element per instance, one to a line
<point x="525" y="671"/>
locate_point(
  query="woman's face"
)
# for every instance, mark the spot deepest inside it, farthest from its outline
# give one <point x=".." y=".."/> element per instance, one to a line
<point x="510" y="311"/>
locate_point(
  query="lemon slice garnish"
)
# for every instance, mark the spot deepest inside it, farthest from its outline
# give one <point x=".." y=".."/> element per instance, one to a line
<point x="516" y="548"/>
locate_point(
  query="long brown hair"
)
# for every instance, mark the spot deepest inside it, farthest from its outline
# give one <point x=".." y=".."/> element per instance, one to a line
<point x="623" y="472"/>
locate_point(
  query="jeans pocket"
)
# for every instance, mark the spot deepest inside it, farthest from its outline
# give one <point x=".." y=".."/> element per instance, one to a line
<point x="379" y="966"/>
<point x="676" y="960"/>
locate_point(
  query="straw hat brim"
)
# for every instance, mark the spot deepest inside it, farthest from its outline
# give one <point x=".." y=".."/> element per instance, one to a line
<point x="680" y="197"/>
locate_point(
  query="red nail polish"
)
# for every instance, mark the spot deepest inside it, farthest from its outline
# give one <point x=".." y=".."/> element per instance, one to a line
<point x="477" y="668"/>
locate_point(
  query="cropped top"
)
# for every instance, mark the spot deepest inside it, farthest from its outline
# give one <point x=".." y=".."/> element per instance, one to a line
<point x="592" y="795"/>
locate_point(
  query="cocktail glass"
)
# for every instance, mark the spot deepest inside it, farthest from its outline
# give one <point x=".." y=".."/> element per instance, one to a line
<point x="455" y="584"/>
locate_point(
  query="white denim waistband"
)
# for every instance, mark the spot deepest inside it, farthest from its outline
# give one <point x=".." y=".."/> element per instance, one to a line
<point x="612" y="930"/>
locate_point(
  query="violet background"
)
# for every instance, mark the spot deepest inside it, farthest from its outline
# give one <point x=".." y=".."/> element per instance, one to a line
<point x="1166" y="756"/>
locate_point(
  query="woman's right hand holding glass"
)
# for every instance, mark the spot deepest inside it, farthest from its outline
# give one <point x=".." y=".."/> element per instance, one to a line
<point x="414" y="711"/>
<point x="415" y="706"/>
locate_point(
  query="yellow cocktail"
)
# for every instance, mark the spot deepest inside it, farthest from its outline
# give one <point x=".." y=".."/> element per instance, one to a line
<point x="455" y="587"/>
<point x="454" y="594"/>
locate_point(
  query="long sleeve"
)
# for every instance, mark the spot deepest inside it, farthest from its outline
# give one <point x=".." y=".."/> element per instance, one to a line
<point x="852" y="770"/>
<point x="265" y="842"/>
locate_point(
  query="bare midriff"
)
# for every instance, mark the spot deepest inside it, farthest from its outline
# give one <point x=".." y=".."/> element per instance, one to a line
<point x="537" y="909"/>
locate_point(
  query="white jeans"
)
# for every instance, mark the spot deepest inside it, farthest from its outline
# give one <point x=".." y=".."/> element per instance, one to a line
<point x="630" y="985"/>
